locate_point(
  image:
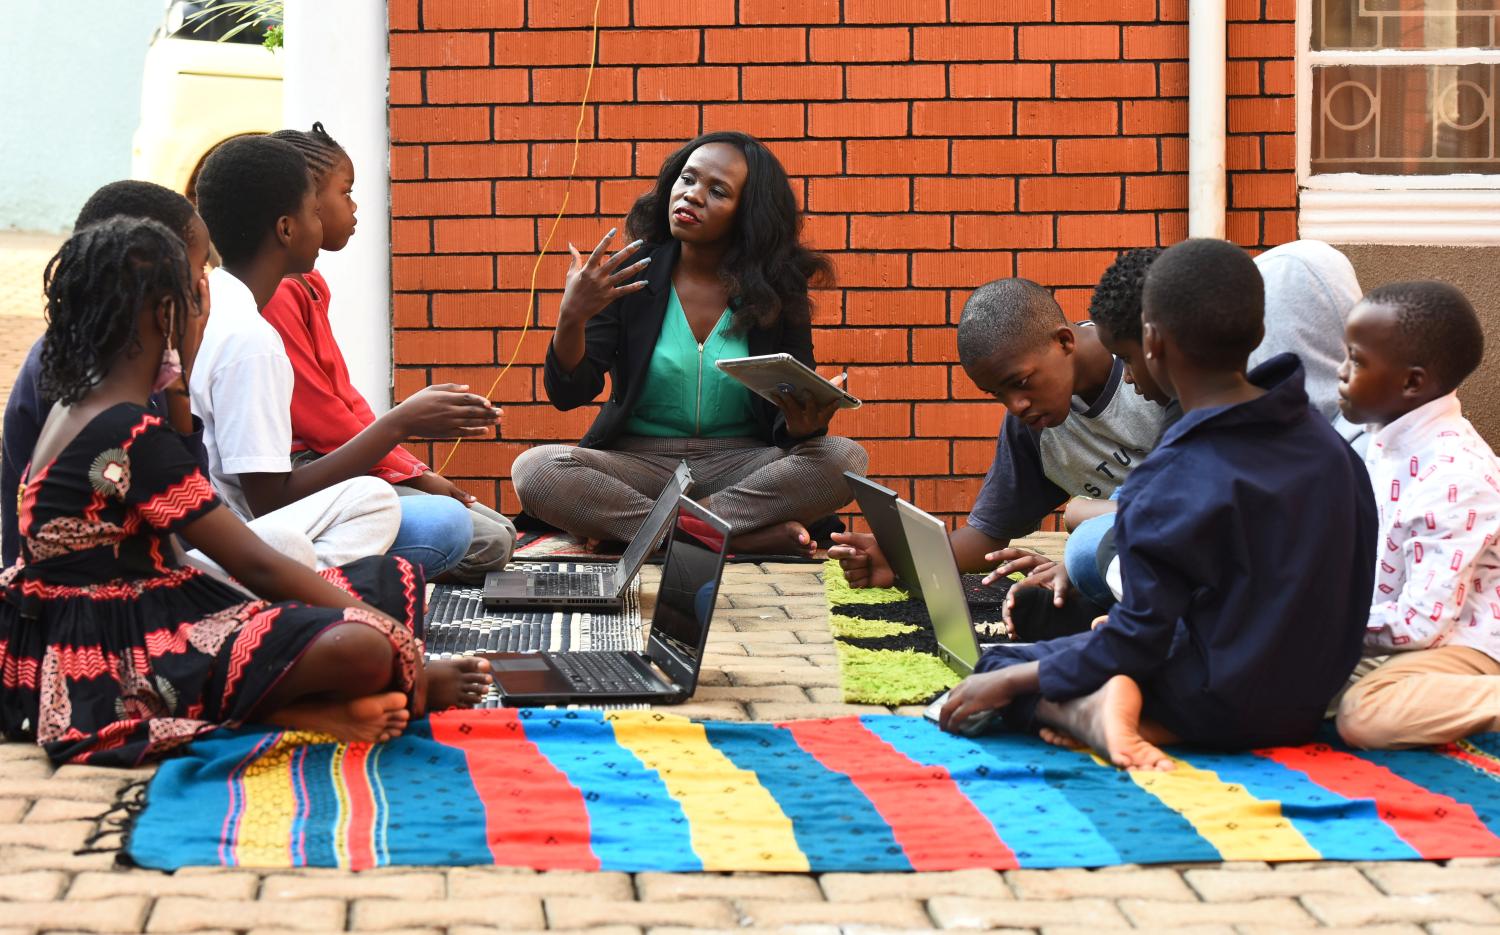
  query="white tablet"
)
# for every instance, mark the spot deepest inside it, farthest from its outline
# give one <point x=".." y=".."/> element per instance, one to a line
<point x="773" y="376"/>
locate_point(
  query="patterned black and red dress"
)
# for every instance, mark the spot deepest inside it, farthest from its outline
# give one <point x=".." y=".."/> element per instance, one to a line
<point x="111" y="651"/>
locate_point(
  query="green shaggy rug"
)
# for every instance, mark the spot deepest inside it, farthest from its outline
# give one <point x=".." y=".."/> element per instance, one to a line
<point x="887" y="653"/>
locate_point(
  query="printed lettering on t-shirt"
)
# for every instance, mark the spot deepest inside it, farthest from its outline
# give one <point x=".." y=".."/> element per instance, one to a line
<point x="1123" y="458"/>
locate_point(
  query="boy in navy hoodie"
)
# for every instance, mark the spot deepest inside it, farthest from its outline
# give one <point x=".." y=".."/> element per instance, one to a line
<point x="1247" y="543"/>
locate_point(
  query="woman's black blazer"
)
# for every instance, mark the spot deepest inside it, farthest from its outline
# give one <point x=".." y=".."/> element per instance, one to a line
<point x="620" y="341"/>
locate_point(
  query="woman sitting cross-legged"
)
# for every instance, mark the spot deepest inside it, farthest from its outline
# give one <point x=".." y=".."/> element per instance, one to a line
<point x="725" y="275"/>
<point x="111" y="650"/>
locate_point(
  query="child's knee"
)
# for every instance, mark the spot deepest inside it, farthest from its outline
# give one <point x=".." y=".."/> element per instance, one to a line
<point x="450" y="527"/>
<point x="435" y="532"/>
<point x="1364" y="720"/>
<point x="490" y="549"/>
<point x="290" y="542"/>
<point x="372" y="494"/>
<point x="360" y="655"/>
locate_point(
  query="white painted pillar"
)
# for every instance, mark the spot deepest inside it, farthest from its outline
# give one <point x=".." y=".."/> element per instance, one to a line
<point x="337" y="70"/>
<point x="1206" y="106"/>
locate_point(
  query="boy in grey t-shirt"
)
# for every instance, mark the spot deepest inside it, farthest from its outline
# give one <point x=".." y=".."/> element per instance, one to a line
<point x="1069" y="428"/>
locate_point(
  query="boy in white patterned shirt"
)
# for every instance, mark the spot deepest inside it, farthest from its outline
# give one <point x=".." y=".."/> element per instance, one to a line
<point x="1436" y="606"/>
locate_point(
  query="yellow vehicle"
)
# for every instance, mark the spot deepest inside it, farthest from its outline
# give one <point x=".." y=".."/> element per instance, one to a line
<point x="198" y="92"/>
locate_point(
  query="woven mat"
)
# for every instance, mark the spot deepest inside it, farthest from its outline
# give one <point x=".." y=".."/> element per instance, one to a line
<point x="644" y="790"/>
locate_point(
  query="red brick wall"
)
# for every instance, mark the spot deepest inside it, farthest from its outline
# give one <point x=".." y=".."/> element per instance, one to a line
<point x="935" y="145"/>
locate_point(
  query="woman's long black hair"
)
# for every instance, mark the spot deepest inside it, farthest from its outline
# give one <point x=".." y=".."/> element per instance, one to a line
<point x="766" y="267"/>
<point x="96" y="286"/>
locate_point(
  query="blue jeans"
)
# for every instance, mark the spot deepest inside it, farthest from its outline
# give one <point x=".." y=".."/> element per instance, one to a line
<point x="435" y="533"/>
<point x="1082" y="560"/>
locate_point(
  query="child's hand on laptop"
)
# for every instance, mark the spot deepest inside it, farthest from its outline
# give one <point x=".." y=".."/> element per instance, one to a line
<point x="863" y="563"/>
<point x="979" y="696"/>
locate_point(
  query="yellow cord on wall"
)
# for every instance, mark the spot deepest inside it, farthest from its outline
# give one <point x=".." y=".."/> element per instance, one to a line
<point x="583" y="109"/>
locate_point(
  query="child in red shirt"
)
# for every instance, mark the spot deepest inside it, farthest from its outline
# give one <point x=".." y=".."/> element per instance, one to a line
<point x="327" y="411"/>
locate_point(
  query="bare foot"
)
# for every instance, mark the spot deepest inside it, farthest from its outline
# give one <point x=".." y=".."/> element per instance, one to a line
<point x="370" y="719"/>
<point x="1109" y="721"/>
<point x="457" y="683"/>
<point x="789" y="538"/>
<point x="1057" y="738"/>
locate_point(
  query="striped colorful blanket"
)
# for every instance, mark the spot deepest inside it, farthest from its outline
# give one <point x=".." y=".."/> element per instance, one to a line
<point x="643" y="790"/>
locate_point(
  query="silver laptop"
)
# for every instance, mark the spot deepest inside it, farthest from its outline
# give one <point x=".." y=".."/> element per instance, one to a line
<point x="878" y="504"/>
<point x="942" y="588"/>
<point x="667" y="672"/>
<point x="943" y="593"/>
<point x="554" y="584"/>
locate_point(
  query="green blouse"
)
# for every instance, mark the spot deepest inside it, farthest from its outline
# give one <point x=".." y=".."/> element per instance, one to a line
<point x="685" y="395"/>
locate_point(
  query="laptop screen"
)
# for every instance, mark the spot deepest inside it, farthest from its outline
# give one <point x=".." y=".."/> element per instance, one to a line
<point x="942" y="588"/>
<point x="648" y="537"/>
<point x="878" y="504"/>
<point x="685" y="600"/>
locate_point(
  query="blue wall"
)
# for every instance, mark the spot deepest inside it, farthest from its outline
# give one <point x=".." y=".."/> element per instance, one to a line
<point x="70" y="98"/>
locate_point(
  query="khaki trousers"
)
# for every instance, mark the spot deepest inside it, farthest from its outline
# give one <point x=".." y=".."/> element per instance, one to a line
<point x="1421" y="698"/>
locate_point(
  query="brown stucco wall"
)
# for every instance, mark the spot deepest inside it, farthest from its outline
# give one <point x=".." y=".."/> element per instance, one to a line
<point x="1475" y="270"/>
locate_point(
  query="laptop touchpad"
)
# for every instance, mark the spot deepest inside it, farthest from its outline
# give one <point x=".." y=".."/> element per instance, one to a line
<point x="520" y="664"/>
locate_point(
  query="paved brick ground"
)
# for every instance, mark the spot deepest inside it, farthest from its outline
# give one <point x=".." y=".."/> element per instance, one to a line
<point x="770" y="658"/>
<point x="23" y="256"/>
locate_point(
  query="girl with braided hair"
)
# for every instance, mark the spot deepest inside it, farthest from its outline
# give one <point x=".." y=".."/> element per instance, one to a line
<point x="112" y="651"/>
<point x="327" y="410"/>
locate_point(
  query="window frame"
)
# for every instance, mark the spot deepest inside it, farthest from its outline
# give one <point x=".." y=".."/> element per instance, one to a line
<point x="1355" y="207"/>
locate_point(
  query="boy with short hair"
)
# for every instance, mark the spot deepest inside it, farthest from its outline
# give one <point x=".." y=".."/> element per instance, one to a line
<point x="327" y="411"/>
<point x="1072" y="428"/>
<point x="1437" y="484"/>
<point x="258" y="200"/>
<point x="1238" y="622"/>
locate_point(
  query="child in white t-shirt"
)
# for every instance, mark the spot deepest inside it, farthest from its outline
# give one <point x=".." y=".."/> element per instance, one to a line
<point x="257" y="198"/>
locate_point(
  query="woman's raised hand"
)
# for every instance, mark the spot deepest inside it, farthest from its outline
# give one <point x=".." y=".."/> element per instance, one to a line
<point x="597" y="280"/>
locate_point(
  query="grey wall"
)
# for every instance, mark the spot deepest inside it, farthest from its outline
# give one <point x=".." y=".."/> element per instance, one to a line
<point x="1475" y="270"/>
<point x="70" y="97"/>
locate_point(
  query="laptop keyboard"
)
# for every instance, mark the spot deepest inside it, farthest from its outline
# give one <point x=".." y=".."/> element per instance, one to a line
<point x="609" y="672"/>
<point x="566" y="584"/>
<point x="459" y="624"/>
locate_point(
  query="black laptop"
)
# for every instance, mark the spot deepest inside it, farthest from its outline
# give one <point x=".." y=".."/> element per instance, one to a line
<point x="879" y="505"/>
<point x="667" y="672"/>
<point x="553" y="584"/>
